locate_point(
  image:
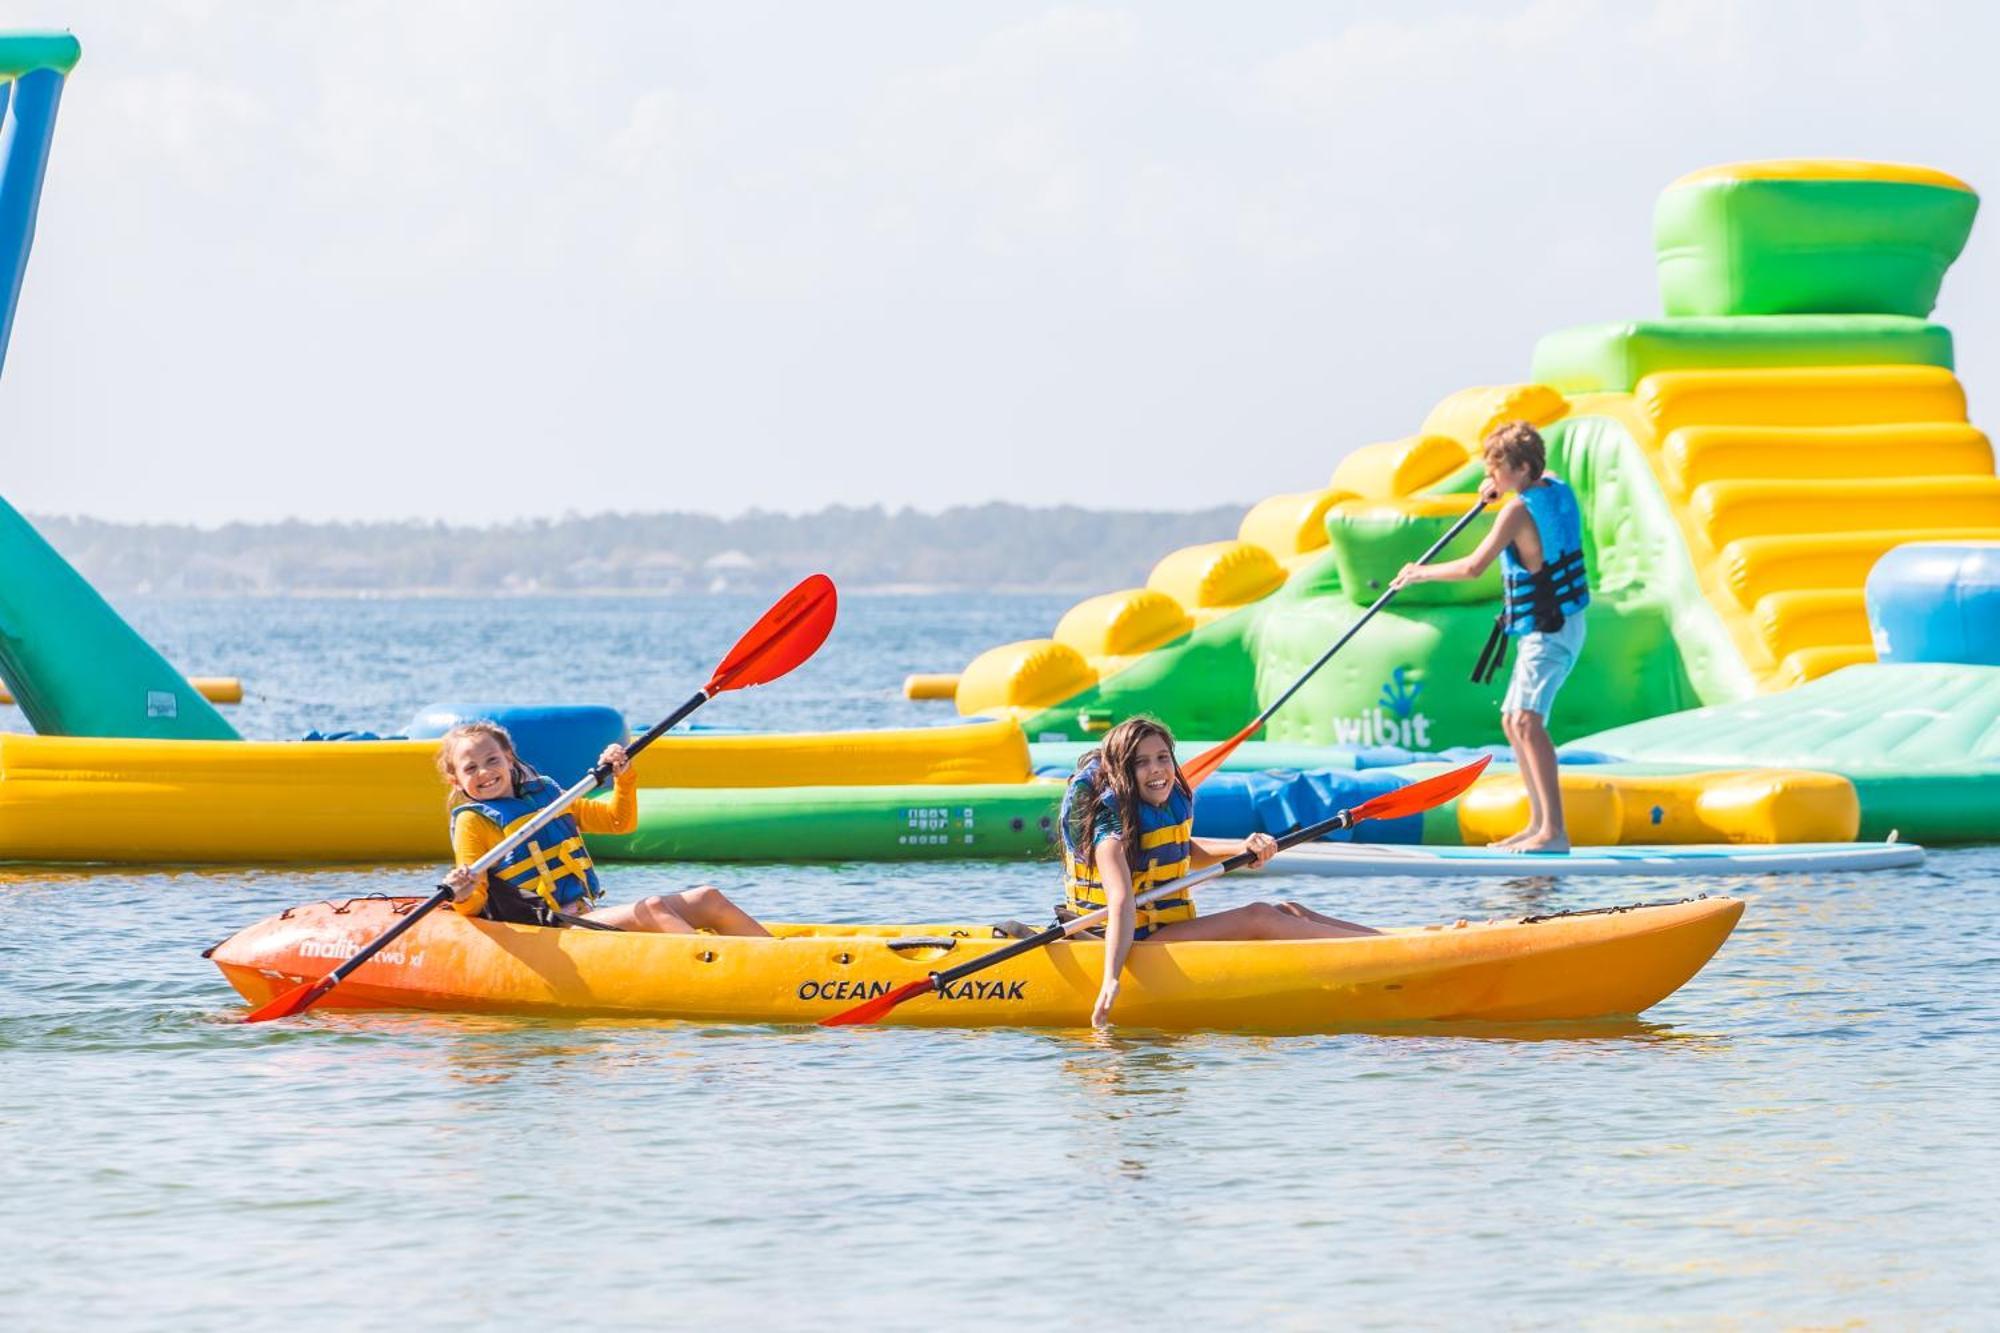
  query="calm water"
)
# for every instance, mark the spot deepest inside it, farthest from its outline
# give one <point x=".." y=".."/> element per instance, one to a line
<point x="1805" y="1135"/>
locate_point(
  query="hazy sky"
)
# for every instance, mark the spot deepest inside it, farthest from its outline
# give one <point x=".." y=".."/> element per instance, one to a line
<point x="475" y="261"/>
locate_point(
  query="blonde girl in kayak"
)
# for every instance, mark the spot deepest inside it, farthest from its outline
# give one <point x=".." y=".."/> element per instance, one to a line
<point x="1128" y="825"/>
<point x="550" y="877"/>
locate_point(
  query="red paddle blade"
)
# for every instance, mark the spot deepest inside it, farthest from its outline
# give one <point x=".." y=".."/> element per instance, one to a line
<point x="789" y="633"/>
<point x="877" y="1009"/>
<point x="295" y="1000"/>
<point x="1421" y="796"/>
<point x="1204" y="764"/>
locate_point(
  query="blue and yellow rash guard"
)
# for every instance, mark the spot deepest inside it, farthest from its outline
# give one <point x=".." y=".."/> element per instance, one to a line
<point x="552" y="870"/>
<point x="1166" y="852"/>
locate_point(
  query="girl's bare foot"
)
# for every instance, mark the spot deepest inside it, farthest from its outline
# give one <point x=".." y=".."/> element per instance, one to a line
<point x="1512" y="839"/>
<point x="1542" y="842"/>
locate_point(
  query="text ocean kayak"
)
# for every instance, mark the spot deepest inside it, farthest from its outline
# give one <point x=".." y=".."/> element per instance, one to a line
<point x="1603" y="963"/>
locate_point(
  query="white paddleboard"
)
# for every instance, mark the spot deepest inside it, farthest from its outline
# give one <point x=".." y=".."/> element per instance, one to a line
<point x="1367" y="858"/>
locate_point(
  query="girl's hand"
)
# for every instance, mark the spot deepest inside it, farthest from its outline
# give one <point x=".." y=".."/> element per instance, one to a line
<point x="1262" y="847"/>
<point x="462" y="883"/>
<point x="615" y="758"/>
<point x="1100" y="1013"/>
<point x="1410" y="573"/>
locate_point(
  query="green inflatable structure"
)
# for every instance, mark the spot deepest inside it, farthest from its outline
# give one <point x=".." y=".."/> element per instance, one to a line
<point x="1406" y="681"/>
<point x="1740" y="461"/>
<point x="73" y="664"/>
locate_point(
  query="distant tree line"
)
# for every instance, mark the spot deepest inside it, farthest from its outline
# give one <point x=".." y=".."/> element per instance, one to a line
<point x="993" y="546"/>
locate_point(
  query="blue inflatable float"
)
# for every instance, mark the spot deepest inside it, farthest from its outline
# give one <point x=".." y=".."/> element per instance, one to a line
<point x="1937" y="602"/>
<point x="559" y="740"/>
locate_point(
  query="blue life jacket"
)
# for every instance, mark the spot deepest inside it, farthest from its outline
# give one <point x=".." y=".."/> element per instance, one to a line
<point x="1166" y="852"/>
<point x="1542" y="601"/>
<point x="550" y="872"/>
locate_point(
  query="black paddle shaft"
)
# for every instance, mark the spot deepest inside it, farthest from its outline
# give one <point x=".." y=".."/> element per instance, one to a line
<point x="603" y="771"/>
<point x="939" y="980"/>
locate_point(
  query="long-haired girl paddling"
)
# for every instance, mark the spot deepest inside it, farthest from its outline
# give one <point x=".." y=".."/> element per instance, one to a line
<point x="1127" y="826"/>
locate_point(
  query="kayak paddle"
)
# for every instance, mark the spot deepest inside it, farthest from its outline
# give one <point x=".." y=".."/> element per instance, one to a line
<point x="789" y="633"/>
<point x="1411" y="800"/>
<point x="1211" y="759"/>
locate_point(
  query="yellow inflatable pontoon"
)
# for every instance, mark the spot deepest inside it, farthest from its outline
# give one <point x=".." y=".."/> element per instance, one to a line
<point x="65" y="798"/>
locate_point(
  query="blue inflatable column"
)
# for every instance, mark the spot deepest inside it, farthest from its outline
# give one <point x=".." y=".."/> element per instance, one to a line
<point x="1937" y="602"/>
<point x="24" y="159"/>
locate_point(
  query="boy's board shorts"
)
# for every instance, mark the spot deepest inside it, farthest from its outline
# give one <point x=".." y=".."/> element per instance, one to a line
<point x="1542" y="663"/>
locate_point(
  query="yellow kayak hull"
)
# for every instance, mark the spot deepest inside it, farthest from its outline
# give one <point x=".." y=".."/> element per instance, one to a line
<point x="1600" y="964"/>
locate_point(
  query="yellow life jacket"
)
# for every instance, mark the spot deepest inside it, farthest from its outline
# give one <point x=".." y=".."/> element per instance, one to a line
<point x="1166" y="852"/>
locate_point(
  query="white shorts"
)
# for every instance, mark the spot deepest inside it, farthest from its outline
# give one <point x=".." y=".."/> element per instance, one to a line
<point x="1542" y="663"/>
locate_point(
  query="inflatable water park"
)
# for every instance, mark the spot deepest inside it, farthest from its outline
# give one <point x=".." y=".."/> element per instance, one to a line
<point x="1792" y="529"/>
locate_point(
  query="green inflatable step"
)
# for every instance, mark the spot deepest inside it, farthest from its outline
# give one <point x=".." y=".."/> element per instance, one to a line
<point x="1613" y="358"/>
<point x="1919" y="741"/>
<point x="898" y="823"/>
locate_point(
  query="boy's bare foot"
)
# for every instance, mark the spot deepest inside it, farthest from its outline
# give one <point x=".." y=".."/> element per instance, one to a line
<point x="1511" y="840"/>
<point x="1543" y="842"/>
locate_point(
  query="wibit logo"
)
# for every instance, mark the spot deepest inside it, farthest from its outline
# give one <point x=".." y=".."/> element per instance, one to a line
<point x="1395" y="722"/>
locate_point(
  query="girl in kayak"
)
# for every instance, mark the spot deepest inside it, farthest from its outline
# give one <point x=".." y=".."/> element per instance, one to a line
<point x="550" y="877"/>
<point x="1127" y="826"/>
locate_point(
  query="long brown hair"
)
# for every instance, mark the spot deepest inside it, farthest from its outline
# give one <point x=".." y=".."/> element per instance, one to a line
<point x="1117" y="784"/>
<point x="522" y="774"/>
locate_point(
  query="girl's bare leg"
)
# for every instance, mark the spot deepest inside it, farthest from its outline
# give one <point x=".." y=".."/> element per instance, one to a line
<point x="1259" y="921"/>
<point x="708" y="908"/>
<point x="1352" y="927"/>
<point x="704" y="908"/>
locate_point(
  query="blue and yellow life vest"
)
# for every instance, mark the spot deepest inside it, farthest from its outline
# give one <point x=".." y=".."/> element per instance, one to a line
<point x="550" y="872"/>
<point x="1166" y="852"/>
<point x="1542" y="601"/>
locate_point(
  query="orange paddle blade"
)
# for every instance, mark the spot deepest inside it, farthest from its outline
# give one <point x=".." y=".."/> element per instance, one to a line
<point x="284" y="1006"/>
<point x="1204" y="764"/>
<point x="1421" y="796"/>
<point x="871" y="1011"/>
<point x="790" y="632"/>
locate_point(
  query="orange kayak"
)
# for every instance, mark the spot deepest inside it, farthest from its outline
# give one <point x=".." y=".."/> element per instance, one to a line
<point x="1582" y="965"/>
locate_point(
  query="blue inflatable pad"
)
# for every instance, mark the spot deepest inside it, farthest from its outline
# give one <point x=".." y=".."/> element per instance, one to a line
<point x="1235" y="805"/>
<point x="1937" y="602"/>
<point x="560" y="740"/>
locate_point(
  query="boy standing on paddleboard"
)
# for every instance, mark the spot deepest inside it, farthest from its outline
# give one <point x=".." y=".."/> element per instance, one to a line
<point x="1539" y="540"/>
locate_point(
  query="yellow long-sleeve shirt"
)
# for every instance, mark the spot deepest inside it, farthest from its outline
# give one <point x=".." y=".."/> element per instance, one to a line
<point x="474" y="835"/>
